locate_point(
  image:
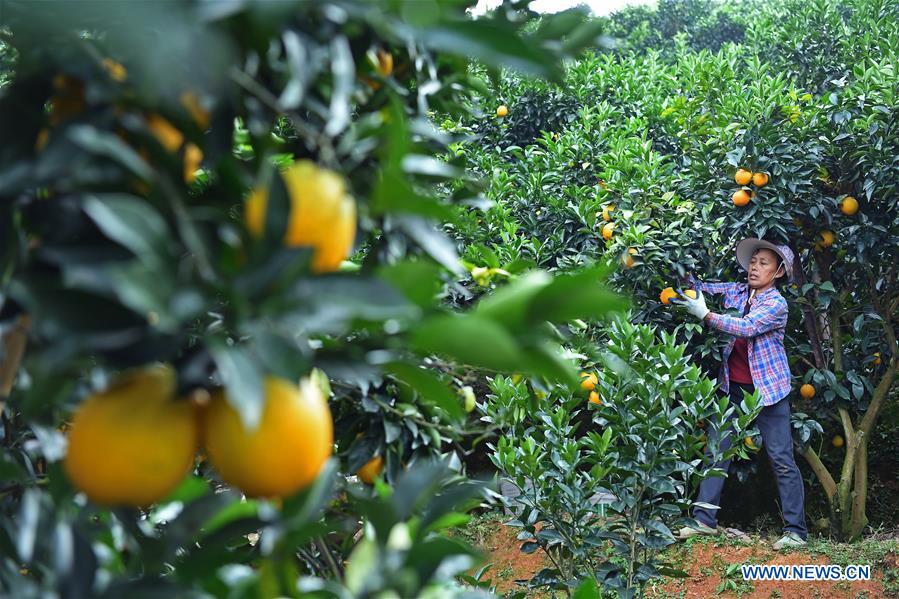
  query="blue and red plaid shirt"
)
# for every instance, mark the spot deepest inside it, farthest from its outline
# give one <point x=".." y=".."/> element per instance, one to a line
<point x="763" y="327"/>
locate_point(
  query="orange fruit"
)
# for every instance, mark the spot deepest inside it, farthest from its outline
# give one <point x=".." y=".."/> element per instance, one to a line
<point x="607" y="209"/>
<point x="171" y="139"/>
<point x="133" y="443"/>
<point x="43" y="136"/>
<point x="588" y="381"/>
<point x="385" y="63"/>
<point x="69" y="99"/>
<point x="371" y="470"/>
<point x="285" y="452"/>
<point x="191" y="102"/>
<point x="608" y="230"/>
<point x="743" y="177"/>
<point x="749" y="443"/>
<point x="825" y="239"/>
<point x="690" y="293"/>
<point x="322" y="214"/>
<point x="849" y="206"/>
<point x="115" y="69"/>
<point x="627" y="258"/>
<point x="837" y="441"/>
<point x="502" y="110"/>
<point x="807" y="391"/>
<point x="741" y="197"/>
<point x="667" y="294"/>
<point x="876" y="358"/>
<point x="594" y="398"/>
<point x="165" y="132"/>
<point x="760" y="179"/>
<point x="193" y="156"/>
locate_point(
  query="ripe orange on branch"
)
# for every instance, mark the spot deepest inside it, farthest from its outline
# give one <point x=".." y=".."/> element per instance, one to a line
<point x="371" y="470"/>
<point x="606" y="212"/>
<point x="667" y="294"/>
<point x="502" y="110"/>
<point x="743" y="177"/>
<point x="825" y="240"/>
<point x="285" y="452"/>
<point x="807" y="391"/>
<point x="849" y="206"/>
<point x="760" y="179"/>
<point x="171" y="139"/>
<point x="594" y="398"/>
<point x="608" y="231"/>
<point x="322" y="214"/>
<point x="589" y="381"/>
<point x="133" y="443"/>
<point x="741" y="197"/>
<point x="837" y="441"/>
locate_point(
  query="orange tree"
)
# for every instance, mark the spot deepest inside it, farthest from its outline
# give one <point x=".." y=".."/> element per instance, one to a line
<point x="220" y="268"/>
<point x="647" y="174"/>
<point x="603" y="477"/>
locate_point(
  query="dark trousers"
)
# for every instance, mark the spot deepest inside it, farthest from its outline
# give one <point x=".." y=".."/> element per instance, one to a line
<point x="774" y="424"/>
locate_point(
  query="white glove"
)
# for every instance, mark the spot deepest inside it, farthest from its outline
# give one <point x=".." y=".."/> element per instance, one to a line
<point x="696" y="307"/>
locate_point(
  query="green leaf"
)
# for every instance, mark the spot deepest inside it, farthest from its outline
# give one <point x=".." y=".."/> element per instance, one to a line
<point x="243" y="381"/>
<point x="236" y="510"/>
<point x="418" y="280"/>
<point x="510" y="305"/>
<point x="492" y="44"/>
<point x="469" y="339"/>
<point x="430" y="388"/>
<point x="132" y="222"/>
<point x="361" y="566"/>
<point x="580" y="295"/>
<point x="586" y="590"/>
<point x="435" y="243"/>
<point x="110" y="145"/>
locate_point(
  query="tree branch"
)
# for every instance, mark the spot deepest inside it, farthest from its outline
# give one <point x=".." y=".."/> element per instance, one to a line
<point x="13" y="350"/>
<point x="820" y="470"/>
<point x="808" y="314"/>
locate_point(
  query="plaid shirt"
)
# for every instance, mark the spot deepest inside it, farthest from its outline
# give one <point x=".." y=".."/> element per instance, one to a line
<point x="764" y="328"/>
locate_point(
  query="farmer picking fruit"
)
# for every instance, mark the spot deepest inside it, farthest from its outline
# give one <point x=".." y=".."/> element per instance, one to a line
<point x="754" y="359"/>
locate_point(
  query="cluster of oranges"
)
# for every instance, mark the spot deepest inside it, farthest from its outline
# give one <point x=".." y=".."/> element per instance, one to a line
<point x="825" y="239"/>
<point x="668" y="294"/>
<point x="133" y="443"/>
<point x="589" y="380"/>
<point x="743" y="178"/>
<point x="69" y="100"/>
<point x="608" y="230"/>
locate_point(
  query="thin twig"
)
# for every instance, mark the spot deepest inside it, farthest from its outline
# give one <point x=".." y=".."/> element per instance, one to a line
<point x="14" y="342"/>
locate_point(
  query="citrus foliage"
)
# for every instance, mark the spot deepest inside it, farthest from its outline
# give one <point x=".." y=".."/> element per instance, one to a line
<point x="238" y="195"/>
<point x="667" y="132"/>
<point x="601" y="484"/>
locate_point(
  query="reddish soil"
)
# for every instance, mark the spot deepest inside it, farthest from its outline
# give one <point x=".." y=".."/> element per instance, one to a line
<point x="705" y="562"/>
<point x="509" y="564"/>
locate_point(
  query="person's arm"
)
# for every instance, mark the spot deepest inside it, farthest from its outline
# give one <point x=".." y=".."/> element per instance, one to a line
<point x="713" y="288"/>
<point x="767" y="316"/>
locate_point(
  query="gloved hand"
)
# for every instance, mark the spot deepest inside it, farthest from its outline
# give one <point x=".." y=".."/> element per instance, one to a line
<point x="696" y="307"/>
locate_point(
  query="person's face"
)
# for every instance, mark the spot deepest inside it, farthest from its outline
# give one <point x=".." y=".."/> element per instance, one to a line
<point x="762" y="268"/>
